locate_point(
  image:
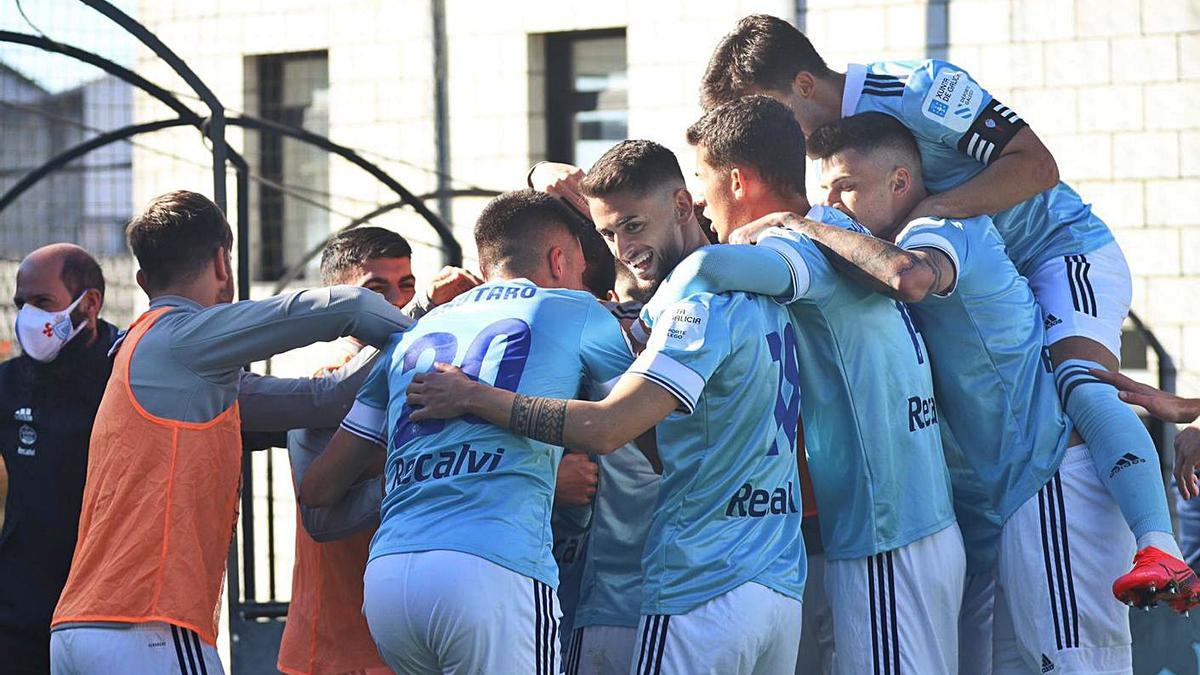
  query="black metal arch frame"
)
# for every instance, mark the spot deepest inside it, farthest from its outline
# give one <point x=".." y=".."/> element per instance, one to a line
<point x="451" y="249"/>
<point x="297" y="268"/>
<point x="242" y="613"/>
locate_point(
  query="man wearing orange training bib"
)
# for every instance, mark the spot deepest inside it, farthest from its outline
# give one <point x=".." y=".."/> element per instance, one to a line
<point x="164" y="465"/>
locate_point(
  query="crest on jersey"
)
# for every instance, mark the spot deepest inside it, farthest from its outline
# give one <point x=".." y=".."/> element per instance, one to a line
<point x="953" y="100"/>
<point x="685" y="326"/>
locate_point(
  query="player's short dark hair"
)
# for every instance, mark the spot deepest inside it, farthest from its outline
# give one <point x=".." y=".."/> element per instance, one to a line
<point x="600" y="275"/>
<point x="176" y="235"/>
<point x="754" y="131"/>
<point x="762" y="53"/>
<point x="349" y="249"/>
<point x="866" y="133"/>
<point x="80" y="271"/>
<point x="511" y="227"/>
<point x="631" y="165"/>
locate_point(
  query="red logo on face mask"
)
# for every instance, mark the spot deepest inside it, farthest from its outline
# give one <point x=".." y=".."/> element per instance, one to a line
<point x="48" y="330"/>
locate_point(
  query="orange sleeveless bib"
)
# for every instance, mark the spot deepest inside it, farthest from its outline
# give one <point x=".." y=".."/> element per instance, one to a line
<point x="159" y="510"/>
<point x="326" y="631"/>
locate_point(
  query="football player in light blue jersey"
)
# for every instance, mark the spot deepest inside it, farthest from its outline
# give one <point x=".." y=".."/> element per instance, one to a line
<point x="609" y="594"/>
<point x="724" y="562"/>
<point x="600" y="568"/>
<point x="576" y="494"/>
<point x="600" y="589"/>
<point x="461" y="576"/>
<point x="1002" y="426"/>
<point x="980" y="157"/>
<point x="895" y="562"/>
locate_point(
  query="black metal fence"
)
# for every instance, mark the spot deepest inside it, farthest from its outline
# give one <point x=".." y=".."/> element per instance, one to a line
<point x="67" y="173"/>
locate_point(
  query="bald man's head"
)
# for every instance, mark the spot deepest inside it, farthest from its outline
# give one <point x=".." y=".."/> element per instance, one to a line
<point x="75" y="267"/>
<point x="79" y="270"/>
<point x="52" y="277"/>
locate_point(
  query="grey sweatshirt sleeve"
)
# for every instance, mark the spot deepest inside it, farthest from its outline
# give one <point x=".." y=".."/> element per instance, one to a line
<point x="223" y="337"/>
<point x="281" y="403"/>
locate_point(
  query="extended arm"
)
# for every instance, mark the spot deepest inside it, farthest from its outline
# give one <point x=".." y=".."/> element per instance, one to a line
<point x="720" y="269"/>
<point x="344" y="461"/>
<point x="272" y="403"/>
<point x="280" y="403"/>
<point x="1024" y="169"/>
<point x="632" y="407"/>
<point x="223" y="337"/>
<point x="907" y="276"/>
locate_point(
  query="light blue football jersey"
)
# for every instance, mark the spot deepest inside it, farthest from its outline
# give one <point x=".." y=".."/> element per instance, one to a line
<point x="870" y="418"/>
<point x="462" y="484"/>
<point x="1000" y="416"/>
<point x="729" y="503"/>
<point x="610" y="584"/>
<point x="960" y="129"/>
<point x="871" y="423"/>
<point x="609" y="569"/>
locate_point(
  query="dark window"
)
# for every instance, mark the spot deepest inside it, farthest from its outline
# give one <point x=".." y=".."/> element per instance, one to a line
<point x="587" y="98"/>
<point x="293" y="200"/>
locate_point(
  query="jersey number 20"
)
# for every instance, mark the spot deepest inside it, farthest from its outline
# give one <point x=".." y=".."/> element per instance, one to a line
<point x="444" y="346"/>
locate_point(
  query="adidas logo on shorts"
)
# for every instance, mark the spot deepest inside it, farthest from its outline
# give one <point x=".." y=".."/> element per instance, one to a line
<point x="1047" y="664"/>
<point x="1052" y="321"/>
<point x="1127" y="460"/>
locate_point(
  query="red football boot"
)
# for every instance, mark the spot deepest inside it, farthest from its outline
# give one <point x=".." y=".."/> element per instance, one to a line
<point x="1158" y="576"/>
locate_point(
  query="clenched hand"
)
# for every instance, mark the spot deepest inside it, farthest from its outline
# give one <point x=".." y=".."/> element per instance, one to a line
<point x="577" y="478"/>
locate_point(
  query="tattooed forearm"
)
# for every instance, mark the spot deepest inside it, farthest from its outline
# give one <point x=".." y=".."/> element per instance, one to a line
<point x="539" y="418"/>
<point x="877" y="264"/>
<point x="937" y="274"/>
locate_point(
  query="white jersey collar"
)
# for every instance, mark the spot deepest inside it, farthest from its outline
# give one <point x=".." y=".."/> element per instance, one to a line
<point x="856" y="75"/>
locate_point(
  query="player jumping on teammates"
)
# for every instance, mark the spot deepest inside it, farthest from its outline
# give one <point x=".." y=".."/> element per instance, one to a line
<point x="980" y="157"/>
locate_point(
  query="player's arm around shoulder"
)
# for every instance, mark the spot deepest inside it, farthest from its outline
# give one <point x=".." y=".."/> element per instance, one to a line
<point x="1022" y="170"/>
<point x="964" y="116"/>
<point x="632" y="407"/>
<point x="943" y="247"/>
<point x="723" y="268"/>
<point x="899" y="273"/>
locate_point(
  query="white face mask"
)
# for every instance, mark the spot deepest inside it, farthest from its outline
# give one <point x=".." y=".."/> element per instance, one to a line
<point x="43" y="334"/>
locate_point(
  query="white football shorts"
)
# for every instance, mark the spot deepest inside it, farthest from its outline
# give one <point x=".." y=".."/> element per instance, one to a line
<point x="1086" y="295"/>
<point x="446" y="611"/>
